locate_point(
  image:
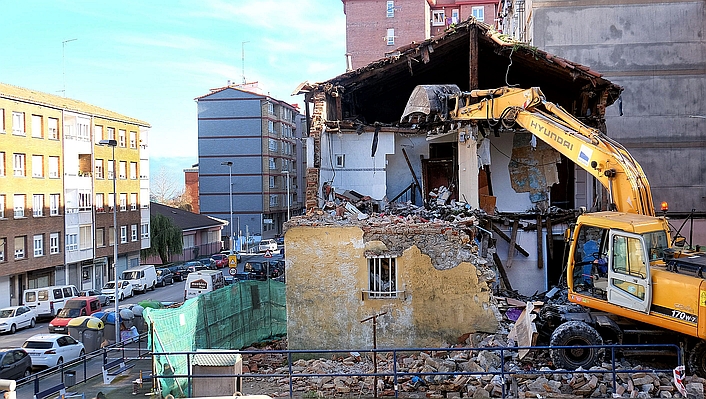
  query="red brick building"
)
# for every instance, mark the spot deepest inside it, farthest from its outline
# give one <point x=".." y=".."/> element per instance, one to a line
<point x="378" y="28"/>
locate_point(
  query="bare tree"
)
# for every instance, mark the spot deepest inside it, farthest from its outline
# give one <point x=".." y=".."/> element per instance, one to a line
<point x="163" y="188"/>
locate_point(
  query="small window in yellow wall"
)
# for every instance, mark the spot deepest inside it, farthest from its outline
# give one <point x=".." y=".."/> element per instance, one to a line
<point x="382" y="281"/>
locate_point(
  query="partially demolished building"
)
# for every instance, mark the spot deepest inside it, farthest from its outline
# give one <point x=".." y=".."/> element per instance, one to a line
<point x="442" y="217"/>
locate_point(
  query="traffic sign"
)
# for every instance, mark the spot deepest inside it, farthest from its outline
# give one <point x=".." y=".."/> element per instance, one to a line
<point x="232" y="260"/>
<point x="233" y="271"/>
<point x="268" y="254"/>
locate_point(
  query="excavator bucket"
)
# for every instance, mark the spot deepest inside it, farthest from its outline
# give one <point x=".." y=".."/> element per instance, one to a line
<point x="428" y="103"/>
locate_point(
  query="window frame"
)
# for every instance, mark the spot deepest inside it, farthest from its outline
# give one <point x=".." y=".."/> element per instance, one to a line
<point x="53" y="163"/>
<point x="37" y="205"/>
<point x="375" y="266"/>
<point x="19" y="165"/>
<point x="38" y="166"/>
<point x="19" y="212"/>
<point x="475" y="10"/>
<point x="18" y="123"/>
<point x="54" y="204"/>
<point x="54" y="243"/>
<point x="38" y="245"/>
<point x="438" y="17"/>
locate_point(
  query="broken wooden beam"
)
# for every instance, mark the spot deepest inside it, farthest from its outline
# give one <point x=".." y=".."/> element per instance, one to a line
<point x="513" y="242"/>
<point x="501" y="270"/>
<point x="540" y="245"/>
<point x="507" y="239"/>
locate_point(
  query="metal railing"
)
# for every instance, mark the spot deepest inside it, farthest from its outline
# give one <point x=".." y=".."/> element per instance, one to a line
<point x="504" y="373"/>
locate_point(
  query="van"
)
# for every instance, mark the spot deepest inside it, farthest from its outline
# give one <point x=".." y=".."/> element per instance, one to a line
<point x="74" y="307"/>
<point x="203" y="281"/>
<point x="142" y="277"/>
<point x="48" y="301"/>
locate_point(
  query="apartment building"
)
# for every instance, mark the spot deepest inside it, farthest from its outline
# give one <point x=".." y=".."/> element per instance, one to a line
<point x="379" y="28"/>
<point x="56" y="192"/>
<point x="250" y="142"/>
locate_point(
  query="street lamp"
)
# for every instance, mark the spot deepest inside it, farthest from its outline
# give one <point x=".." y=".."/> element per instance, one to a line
<point x="286" y="173"/>
<point x="230" y="199"/>
<point x="113" y="144"/>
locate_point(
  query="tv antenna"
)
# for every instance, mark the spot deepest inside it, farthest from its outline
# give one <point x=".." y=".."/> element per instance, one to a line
<point x="63" y="65"/>
<point x="242" y="49"/>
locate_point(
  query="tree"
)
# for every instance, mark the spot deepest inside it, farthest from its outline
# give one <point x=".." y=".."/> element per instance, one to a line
<point x="166" y="238"/>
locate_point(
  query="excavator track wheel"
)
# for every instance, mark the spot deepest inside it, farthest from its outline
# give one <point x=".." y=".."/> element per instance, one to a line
<point x="578" y="335"/>
<point x="697" y="359"/>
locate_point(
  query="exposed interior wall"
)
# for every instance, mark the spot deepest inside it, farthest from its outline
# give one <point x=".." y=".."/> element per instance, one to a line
<point x="508" y="200"/>
<point x="327" y="272"/>
<point x="361" y="171"/>
<point x="398" y="175"/>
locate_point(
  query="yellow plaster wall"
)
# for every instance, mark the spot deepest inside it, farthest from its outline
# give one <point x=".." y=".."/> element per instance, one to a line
<point x="327" y="271"/>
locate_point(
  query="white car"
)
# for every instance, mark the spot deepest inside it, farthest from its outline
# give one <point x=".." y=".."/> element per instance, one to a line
<point x="267" y="245"/>
<point x="53" y="349"/>
<point x="15" y="317"/>
<point x="124" y="290"/>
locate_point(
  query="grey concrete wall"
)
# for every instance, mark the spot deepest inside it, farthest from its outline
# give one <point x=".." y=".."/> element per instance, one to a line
<point x="657" y="52"/>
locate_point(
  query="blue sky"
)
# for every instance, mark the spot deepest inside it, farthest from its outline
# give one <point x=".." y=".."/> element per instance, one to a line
<point x="150" y="59"/>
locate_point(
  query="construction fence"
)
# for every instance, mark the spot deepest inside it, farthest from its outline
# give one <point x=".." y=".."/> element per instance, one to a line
<point x="229" y="318"/>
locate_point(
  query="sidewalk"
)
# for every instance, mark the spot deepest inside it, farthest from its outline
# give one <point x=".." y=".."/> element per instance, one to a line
<point x="121" y="387"/>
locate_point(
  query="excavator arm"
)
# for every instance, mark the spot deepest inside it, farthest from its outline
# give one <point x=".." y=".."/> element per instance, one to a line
<point x="604" y="158"/>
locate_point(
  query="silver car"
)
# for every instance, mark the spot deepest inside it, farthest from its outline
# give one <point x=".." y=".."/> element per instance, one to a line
<point x="13" y="318"/>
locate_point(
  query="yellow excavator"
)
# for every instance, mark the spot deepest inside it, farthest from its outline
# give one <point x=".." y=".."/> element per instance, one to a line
<point x="627" y="281"/>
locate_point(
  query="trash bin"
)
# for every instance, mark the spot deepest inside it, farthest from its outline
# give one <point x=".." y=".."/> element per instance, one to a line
<point x="69" y="378"/>
<point x="88" y="330"/>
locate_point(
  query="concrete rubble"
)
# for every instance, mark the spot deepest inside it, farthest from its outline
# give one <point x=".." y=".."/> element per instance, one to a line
<point x="542" y="382"/>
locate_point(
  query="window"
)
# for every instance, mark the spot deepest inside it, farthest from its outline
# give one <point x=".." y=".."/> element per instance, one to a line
<point x="19" y="204"/>
<point x="71" y="242"/>
<point x="123" y="202"/>
<point x="54" y="243"/>
<point x="84" y="201"/>
<point x="53" y="167"/>
<point x="274" y="199"/>
<point x="111" y="236"/>
<point x="270" y="108"/>
<point x="19" y="165"/>
<point x="37" y="126"/>
<point x="37" y="166"/>
<point x="438" y="18"/>
<point x="454" y="16"/>
<point x="98" y="168"/>
<point x="18" y="123"/>
<point x="123" y="234"/>
<point x="38" y="245"/>
<point x="100" y="205"/>
<point x="272" y="182"/>
<point x="390" y="36"/>
<point x="85" y="237"/>
<point x="84" y="131"/>
<point x="390" y="9"/>
<point x="3" y="249"/>
<point x="133" y="232"/>
<point x="383" y="277"/>
<point x="273" y="145"/>
<point x="100" y="237"/>
<point x="340" y="161"/>
<point x="54" y="205"/>
<point x="121" y="137"/>
<point x="123" y="170"/>
<point x="53" y="128"/>
<point x="111" y="133"/>
<point x="133" y="139"/>
<point x="145" y="231"/>
<point x="478" y="13"/>
<point x="133" y="201"/>
<point x="20" y="243"/>
<point x="111" y="201"/>
<point x="2" y="206"/>
<point x="38" y="205"/>
<point x="273" y="163"/>
<point x="188" y="241"/>
<point x="270" y="126"/>
<point x="133" y="170"/>
<point x="97" y="133"/>
<point x="2" y="120"/>
<point x="2" y="164"/>
<point x="111" y="166"/>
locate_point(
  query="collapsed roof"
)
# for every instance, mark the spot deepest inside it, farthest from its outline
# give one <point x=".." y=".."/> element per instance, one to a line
<point x="471" y="55"/>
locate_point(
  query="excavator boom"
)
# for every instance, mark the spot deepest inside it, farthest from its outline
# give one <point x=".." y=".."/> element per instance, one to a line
<point x="604" y="158"/>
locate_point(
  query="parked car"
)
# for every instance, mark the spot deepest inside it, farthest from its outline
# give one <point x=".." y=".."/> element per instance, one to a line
<point x="279" y="240"/>
<point x="104" y="299"/>
<point x="124" y="290"/>
<point x="14" y="364"/>
<point x="48" y="301"/>
<point x="142" y="278"/>
<point x="53" y="349"/>
<point x="179" y="271"/>
<point x="194" y="266"/>
<point x="259" y="267"/>
<point x="208" y="262"/>
<point x="164" y="277"/>
<point x="220" y="259"/>
<point x="74" y="307"/>
<point x="13" y="318"/>
<point x="267" y="245"/>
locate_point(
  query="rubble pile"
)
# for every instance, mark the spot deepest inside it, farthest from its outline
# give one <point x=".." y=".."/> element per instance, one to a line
<point x="519" y="382"/>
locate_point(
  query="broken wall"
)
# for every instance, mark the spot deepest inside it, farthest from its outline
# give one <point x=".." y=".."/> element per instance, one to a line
<point x="399" y="176"/>
<point x="440" y="297"/>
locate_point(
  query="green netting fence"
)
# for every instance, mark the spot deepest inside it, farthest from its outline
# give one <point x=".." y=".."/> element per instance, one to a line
<point x="229" y="318"/>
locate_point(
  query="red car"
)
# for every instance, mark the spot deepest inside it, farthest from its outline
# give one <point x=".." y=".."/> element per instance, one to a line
<point x="220" y="259"/>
